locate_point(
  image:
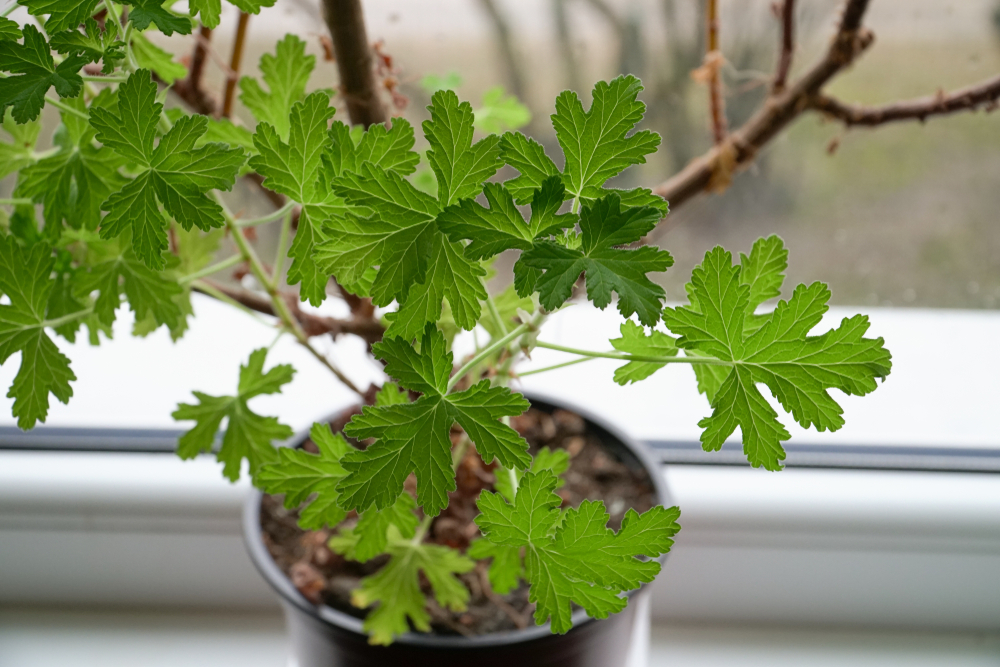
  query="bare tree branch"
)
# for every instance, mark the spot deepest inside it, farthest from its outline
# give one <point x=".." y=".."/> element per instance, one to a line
<point x="190" y="89"/>
<point x="313" y="325"/>
<point x="713" y="63"/>
<point x="984" y="94"/>
<point x="741" y="146"/>
<point x="787" y="46"/>
<point x="355" y="63"/>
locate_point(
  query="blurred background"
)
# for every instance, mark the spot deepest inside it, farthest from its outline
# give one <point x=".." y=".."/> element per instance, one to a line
<point x="901" y="215"/>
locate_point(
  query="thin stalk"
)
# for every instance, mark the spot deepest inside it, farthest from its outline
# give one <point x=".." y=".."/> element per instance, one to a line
<point x="65" y="107"/>
<point x="110" y="78"/>
<point x="59" y="321"/>
<point x="234" y="64"/>
<point x="15" y="201"/>
<point x="555" y="366"/>
<point x="214" y="268"/>
<point x="279" y="260"/>
<point x="7" y="12"/>
<point x="635" y="357"/>
<point x="494" y="312"/>
<point x="270" y="217"/>
<point x="485" y="352"/>
<point x="277" y="300"/>
<point x="513" y="481"/>
<point x="210" y="289"/>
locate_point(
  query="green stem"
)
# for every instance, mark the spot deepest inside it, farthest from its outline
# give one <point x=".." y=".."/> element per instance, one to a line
<point x="494" y="312"/>
<point x="553" y="367"/>
<point x="59" y="321"/>
<point x="279" y="259"/>
<point x="214" y="268"/>
<point x="270" y="217"/>
<point x="635" y="357"/>
<point x="485" y="352"/>
<point x="41" y="155"/>
<point x="277" y="300"/>
<point x="209" y="289"/>
<point x="16" y="201"/>
<point x="9" y="10"/>
<point x="111" y="78"/>
<point x="58" y="104"/>
<point x="513" y="482"/>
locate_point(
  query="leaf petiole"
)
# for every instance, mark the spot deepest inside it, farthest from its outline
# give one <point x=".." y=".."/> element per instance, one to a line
<point x="270" y="217"/>
<point x="111" y="78"/>
<point x="485" y="352"/>
<point x="16" y="201"/>
<point x="59" y="321"/>
<point x="555" y="366"/>
<point x="59" y="104"/>
<point x="233" y="260"/>
<point x="635" y="357"/>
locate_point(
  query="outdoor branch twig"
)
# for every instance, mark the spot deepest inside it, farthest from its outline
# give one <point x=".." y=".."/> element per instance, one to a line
<point x="355" y="62"/>
<point x="742" y="145"/>
<point x="787" y="46"/>
<point x="713" y="63"/>
<point x="190" y="89"/>
<point x="984" y="94"/>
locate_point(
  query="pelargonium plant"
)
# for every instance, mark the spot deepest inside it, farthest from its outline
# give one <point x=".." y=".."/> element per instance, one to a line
<point x="133" y="205"/>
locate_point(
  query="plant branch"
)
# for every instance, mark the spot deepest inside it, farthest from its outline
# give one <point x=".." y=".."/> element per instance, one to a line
<point x="72" y="317"/>
<point x="59" y="104"/>
<point x="16" y="201"/>
<point x="713" y="63"/>
<point x="190" y="89"/>
<point x="635" y="357"/>
<point x="234" y="64"/>
<point x="487" y="351"/>
<point x="313" y="325"/>
<point x="232" y="260"/>
<point x="355" y="64"/>
<point x="984" y="94"/>
<point x="276" y="214"/>
<point x="545" y="369"/>
<point x="741" y="146"/>
<point x="787" y="46"/>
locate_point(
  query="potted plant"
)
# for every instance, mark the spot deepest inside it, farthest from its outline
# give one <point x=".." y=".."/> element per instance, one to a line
<point x="132" y="206"/>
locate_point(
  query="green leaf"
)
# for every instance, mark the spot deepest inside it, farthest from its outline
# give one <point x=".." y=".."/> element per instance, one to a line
<point x="74" y="182"/>
<point x="19" y="153"/>
<point x="415" y="437"/>
<point x="500" y="111"/>
<point x="373" y="528"/>
<point x="460" y="166"/>
<point x="149" y="293"/>
<point x="391" y="394"/>
<point x="300" y="475"/>
<point x="635" y="341"/>
<point x="145" y="12"/>
<point x="63" y="14"/>
<point x="93" y="43"/>
<point x="556" y="460"/>
<point x="529" y="158"/>
<point x="25" y="279"/>
<point x="395" y="589"/>
<point x="295" y="169"/>
<point x="506" y="568"/>
<point x="208" y="11"/>
<point x="501" y="226"/>
<point x="9" y="30"/>
<point x="150" y="56"/>
<point x="608" y="268"/>
<point x="778" y="352"/>
<point x="391" y="149"/>
<point x="597" y="143"/>
<point x="575" y="557"/>
<point x="36" y="72"/>
<point x="286" y="74"/>
<point x="175" y="172"/>
<point x="248" y="435"/>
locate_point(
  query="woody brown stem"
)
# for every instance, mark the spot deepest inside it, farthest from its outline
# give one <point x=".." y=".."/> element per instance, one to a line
<point x="713" y="61"/>
<point x="787" y="46"/>
<point x="355" y="62"/>
<point x="234" y="64"/>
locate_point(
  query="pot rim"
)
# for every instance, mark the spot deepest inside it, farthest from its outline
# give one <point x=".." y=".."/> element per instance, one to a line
<point x="265" y="564"/>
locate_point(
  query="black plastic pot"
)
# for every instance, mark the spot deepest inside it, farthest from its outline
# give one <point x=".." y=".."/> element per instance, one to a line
<point x="321" y="636"/>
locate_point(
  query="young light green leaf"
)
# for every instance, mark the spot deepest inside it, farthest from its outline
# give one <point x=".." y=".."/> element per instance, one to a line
<point x="174" y="172"/>
<point x="396" y="588"/>
<point x="635" y="341"/>
<point x="506" y="568"/>
<point x="391" y="394"/>
<point x="25" y="279"/>
<point x="415" y="437"/>
<point x="460" y="166"/>
<point x="605" y="225"/>
<point x="210" y="11"/>
<point x="300" y="474"/>
<point x="19" y="152"/>
<point x="9" y="30"/>
<point x="248" y="435"/>
<point x="372" y="530"/>
<point x="577" y="559"/>
<point x="500" y="111"/>
<point x="286" y="74"/>
<point x="150" y="56"/>
<point x="35" y="72"/>
<point x="780" y="353"/>
<point x="149" y="293"/>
